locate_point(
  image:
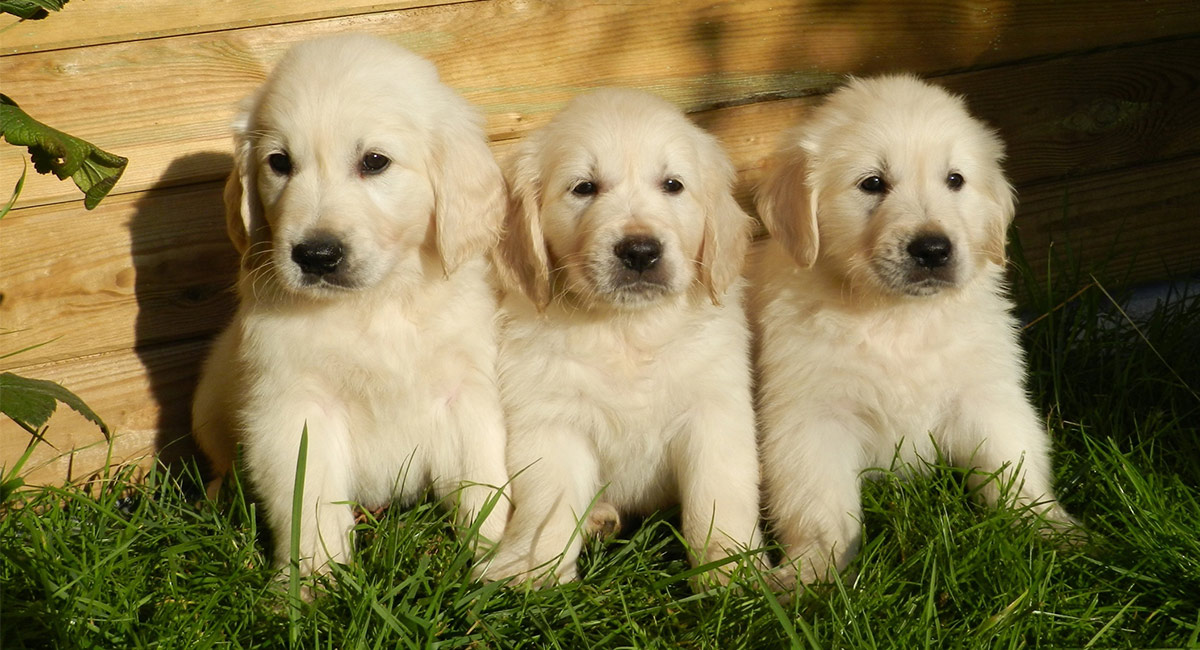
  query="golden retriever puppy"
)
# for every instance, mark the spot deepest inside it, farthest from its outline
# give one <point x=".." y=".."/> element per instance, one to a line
<point x="363" y="201"/>
<point x="881" y="321"/>
<point x="624" y="347"/>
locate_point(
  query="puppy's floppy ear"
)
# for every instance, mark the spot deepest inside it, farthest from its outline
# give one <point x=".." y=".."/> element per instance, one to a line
<point x="1001" y="195"/>
<point x="1000" y="217"/>
<point x="244" y="220"/>
<point x="468" y="190"/>
<point x="522" y="261"/>
<point x="787" y="202"/>
<point x="726" y="225"/>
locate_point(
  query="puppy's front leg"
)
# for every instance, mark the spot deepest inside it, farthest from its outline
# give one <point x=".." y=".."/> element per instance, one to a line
<point x="475" y="466"/>
<point x="554" y="479"/>
<point x="812" y="461"/>
<point x="217" y="398"/>
<point x="272" y="448"/>
<point x="716" y="461"/>
<point x="995" y="428"/>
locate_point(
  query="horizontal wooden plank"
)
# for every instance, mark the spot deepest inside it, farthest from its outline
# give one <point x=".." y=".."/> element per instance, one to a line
<point x="158" y="100"/>
<point x="110" y="21"/>
<point x="144" y="398"/>
<point x="1089" y="114"/>
<point x="1136" y="224"/>
<point x="1061" y="118"/>
<point x="96" y="22"/>
<point x="139" y="270"/>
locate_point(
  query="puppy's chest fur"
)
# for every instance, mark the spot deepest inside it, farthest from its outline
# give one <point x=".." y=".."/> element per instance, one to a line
<point x="629" y="382"/>
<point x="385" y="362"/>
<point x="902" y="370"/>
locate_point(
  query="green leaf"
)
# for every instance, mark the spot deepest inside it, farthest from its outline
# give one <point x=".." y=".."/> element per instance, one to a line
<point x="31" y="9"/>
<point x="31" y="402"/>
<point x="94" y="170"/>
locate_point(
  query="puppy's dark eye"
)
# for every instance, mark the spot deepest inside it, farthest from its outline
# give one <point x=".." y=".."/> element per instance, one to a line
<point x="955" y="181"/>
<point x="585" y="188"/>
<point x="373" y="163"/>
<point x="280" y="163"/>
<point x="672" y="186"/>
<point x="873" y="185"/>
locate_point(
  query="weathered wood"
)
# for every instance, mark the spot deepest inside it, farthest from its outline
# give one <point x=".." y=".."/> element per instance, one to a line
<point x="145" y="399"/>
<point x="93" y="22"/>
<point x="139" y="270"/>
<point x="158" y="100"/>
<point x="1134" y="225"/>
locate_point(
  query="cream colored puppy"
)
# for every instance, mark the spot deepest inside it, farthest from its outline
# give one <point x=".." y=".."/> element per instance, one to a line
<point x="363" y="201"/>
<point x="881" y="316"/>
<point x="624" y="348"/>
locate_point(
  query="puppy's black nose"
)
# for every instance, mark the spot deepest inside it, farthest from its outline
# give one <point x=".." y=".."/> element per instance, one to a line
<point x="930" y="251"/>
<point x="320" y="255"/>
<point x="638" y="253"/>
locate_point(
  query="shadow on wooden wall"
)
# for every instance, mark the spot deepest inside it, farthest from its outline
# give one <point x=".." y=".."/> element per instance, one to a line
<point x="183" y="262"/>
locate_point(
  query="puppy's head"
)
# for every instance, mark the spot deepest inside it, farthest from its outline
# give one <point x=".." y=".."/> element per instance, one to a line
<point x="621" y="200"/>
<point x="350" y="158"/>
<point x="891" y="185"/>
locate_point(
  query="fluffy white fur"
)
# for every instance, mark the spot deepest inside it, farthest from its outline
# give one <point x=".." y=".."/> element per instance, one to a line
<point x="386" y="351"/>
<point x="863" y="349"/>
<point x="623" y="388"/>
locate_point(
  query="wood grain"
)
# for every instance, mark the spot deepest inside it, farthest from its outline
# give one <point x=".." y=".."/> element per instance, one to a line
<point x="139" y="270"/>
<point x="1132" y="225"/>
<point x="157" y="100"/>
<point x="144" y="398"/>
<point x="93" y="22"/>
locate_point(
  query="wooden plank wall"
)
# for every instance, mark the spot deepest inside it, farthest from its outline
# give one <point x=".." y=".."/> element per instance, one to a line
<point x="1099" y="101"/>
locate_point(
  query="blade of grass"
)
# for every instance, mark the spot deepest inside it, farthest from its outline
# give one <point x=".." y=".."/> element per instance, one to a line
<point x="294" y="600"/>
<point x="16" y="190"/>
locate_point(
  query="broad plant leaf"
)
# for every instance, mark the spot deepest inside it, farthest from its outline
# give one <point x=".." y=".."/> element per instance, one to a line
<point x="31" y="9"/>
<point x="94" y="170"/>
<point x="31" y="402"/>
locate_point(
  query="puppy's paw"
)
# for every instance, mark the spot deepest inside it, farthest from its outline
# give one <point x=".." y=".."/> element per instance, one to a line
<point x="312" y="586"/>
<point x="519" y="569"/>
<point x="782" y="579"/>
<point x="731" y="571"/>
<point x="1056" y="525"/>
<point x="603" y="521"/>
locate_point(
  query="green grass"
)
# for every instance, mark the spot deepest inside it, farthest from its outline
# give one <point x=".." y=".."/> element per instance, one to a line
<point x="126" y="565"/>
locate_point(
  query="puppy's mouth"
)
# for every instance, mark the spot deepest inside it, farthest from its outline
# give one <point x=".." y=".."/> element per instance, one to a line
<point x="638" y="290"/>
<point x="336" y="282"/>
<point x="921" y="283"/>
